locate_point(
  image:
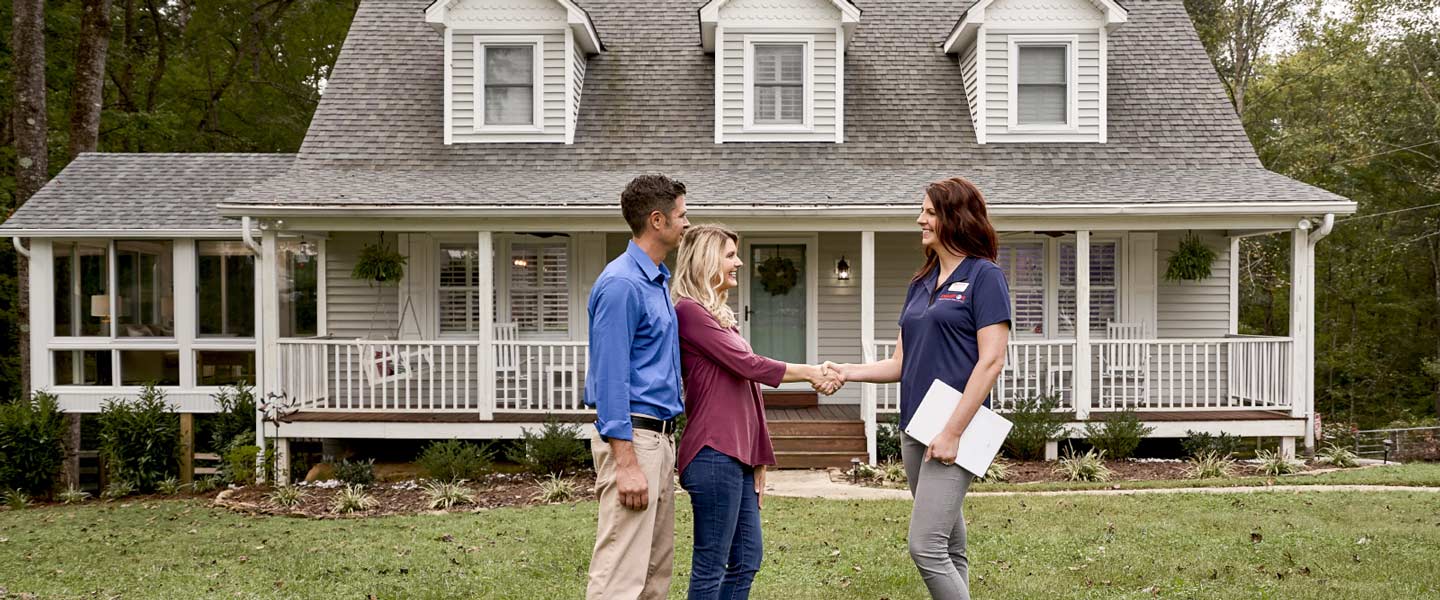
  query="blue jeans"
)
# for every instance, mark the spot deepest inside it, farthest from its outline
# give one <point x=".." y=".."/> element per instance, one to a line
<point x="727" y="526"/>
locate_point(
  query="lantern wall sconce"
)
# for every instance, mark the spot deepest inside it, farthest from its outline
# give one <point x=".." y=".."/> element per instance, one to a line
<point x="842" y="269"/>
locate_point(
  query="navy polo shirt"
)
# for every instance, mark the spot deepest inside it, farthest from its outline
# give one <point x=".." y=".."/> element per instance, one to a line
<point x="938" y="328"/>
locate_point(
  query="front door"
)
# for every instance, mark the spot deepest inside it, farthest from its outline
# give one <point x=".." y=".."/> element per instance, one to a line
<point x="775" y="299"/>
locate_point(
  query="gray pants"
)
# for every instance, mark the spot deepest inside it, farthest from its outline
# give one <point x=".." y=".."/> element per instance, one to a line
<point x="937" y="525"/>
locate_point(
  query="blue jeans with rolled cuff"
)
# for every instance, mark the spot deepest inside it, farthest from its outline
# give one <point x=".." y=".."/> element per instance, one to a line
<point x="728" y="548"/>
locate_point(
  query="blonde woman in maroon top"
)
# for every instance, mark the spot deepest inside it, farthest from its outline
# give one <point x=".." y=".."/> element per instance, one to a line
<point x="726" y="445"/>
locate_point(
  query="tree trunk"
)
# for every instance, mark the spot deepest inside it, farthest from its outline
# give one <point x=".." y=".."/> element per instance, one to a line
<point x="32" y="166"/>
<point x="89" y="90"/>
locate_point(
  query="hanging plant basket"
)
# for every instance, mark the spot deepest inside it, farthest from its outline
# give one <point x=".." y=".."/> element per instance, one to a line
<point x="379" y="264"/>
<point x="1191" y="261"/>
<point x="778" y="275"/>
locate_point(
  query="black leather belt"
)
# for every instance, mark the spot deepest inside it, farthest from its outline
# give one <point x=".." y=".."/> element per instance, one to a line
<point x="653" y="424"/>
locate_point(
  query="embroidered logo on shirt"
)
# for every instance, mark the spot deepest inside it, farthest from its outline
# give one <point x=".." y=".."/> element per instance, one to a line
<point x="952" y="296"/>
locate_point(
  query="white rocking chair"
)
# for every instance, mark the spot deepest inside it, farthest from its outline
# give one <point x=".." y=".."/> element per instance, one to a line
<point x="1125" y="375"/>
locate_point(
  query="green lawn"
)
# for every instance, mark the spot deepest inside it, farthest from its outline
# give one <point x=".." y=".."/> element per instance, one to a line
<point x="1414" y="474"/>
<point x="1273" y="545"/>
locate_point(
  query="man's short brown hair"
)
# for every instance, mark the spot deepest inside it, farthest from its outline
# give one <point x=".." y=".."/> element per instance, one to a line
<point x="647" y="194"/>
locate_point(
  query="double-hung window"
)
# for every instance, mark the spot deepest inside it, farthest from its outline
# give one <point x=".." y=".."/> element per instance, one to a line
<point x="508" y="84"/>
<point x="1024" y="267"/>
<point x="778" y="89"/>
<point x="1104" y="291"/>
<point x="459" y="289"/>
<point x="1042" y="75"/>
<point x="539" y="287"/>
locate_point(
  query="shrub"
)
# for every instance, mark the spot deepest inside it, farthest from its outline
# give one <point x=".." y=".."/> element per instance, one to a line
<point x="445" y="494"/>
<point x="352" y="498"/>
<point x="170" y="487"/>
<point x="1275" y="463"/>
<point x="557" y="489"/>
<point x="236" y="416"/>
<point x="999" y="470"/>
<point x="206" y="485"/>
<point x="140" y="439"/>
<point x="1035" y="424"/>
<point x="887" y="439"/>
<point x="72" y="495"/>
<point x="892" y="471"/>
<point x="453" y="460"/>
<point x="1209" y="465"/>
<point x="1196" y="444"/>
<point x="358" y="472"/>
<point x="862" y="472"/>
<point x="287" y="496"/>
<point x="238" y="462"/>
<point x="1119" y="435"/>
<point x="556" y="448"/>
<point x="17" y="499"/>
<point x="32" y="448"/>
<point x="1089" y="466"/>
<point x="1338" y="456"/>
<point x="119" y="488"/>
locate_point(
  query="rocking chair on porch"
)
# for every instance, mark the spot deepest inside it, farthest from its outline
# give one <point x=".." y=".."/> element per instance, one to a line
<point x="1125" y="370"/>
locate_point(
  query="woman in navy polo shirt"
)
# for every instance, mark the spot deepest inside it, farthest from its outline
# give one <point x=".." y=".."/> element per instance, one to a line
<point x="954" y="327"/>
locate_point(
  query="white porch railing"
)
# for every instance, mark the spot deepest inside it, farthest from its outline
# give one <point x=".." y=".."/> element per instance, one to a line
<point x="1033" y="368"/>
<point x="1193" y="374"/>
<point x="432" y="376"/>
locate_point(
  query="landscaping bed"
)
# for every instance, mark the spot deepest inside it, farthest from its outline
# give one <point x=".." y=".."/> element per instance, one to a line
<point x="1041" y="473"/>
<point x="409" y="497"/>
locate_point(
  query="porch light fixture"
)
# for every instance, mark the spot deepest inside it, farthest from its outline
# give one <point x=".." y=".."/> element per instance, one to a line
<point x="842" y="269"/>
<point x="306" y="252"/>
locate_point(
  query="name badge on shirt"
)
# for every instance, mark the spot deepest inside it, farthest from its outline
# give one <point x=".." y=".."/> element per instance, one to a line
<point x="959" y="286"/>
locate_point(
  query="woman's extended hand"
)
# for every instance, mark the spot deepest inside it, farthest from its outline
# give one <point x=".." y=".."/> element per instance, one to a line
<point x="826" y="381"/>
<point x="943" y="447"/>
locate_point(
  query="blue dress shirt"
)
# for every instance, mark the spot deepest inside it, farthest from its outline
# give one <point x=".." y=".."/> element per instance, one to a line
<point x="634" y="345"/>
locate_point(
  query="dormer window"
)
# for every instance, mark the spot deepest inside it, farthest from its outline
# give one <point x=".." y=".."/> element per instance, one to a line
<point x="508" y="84"/>
<point x="777" y="82"/>
<point x="1041" y="69"/>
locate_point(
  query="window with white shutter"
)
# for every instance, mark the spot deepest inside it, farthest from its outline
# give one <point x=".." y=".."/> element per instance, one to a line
<point x="459" y="288"/>
<point x="1104" y="291"/>
<point x="779" y="84"/>
<point x="539" y="286"/>
<point x="1042" y="72"/>
<point x="1024" y="267"/>
<point x="508" y="84"/>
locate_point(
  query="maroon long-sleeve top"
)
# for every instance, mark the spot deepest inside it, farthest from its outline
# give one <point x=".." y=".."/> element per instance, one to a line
<point x="724" y="408"/>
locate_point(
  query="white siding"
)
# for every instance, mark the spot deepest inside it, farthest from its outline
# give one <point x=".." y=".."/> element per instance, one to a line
<point x="463" y="73"/>
<point x="505" y="13"/>
<point x="971" y="75"/>
<point x="577" y="80"/>
<point x="839" y="306"/>
<point x="997" y="87"/>
<point x="351" y="305"/>
<point x="898" y="256"/>
<point x="823" y="75"/>
<point x="1193" y="309"/>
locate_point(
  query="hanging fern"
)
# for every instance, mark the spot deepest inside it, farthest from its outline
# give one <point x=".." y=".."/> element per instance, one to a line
<point x="379" y="264"/>
<point x="1191" y="261"/>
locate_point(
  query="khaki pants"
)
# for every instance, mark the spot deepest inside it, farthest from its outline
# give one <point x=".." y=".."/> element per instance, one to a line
<point x="634" y="549"/>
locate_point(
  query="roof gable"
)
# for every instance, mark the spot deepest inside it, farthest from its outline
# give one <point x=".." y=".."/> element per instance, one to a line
<point x="711" y="14"/>
<point x="1108" y="12"/>
<point x="440" y="13"/>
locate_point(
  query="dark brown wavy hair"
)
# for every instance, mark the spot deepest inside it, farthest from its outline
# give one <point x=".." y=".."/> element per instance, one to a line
<point x="962" y="223"/>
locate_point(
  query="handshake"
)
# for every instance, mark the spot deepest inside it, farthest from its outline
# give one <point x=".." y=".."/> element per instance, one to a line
<point x="826" y="378"/>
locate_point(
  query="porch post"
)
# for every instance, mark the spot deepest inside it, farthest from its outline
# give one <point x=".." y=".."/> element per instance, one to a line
<point x="1299" y="325"/>
<point x="485" y="270"/>
<point x="1081" y="385"/>
<point x="867" y="336"/>
<point x="269" y="334"/>
<point x="42" y="319"/>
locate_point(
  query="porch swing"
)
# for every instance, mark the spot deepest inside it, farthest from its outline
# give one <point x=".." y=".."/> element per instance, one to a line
<point x="388" y="363"/>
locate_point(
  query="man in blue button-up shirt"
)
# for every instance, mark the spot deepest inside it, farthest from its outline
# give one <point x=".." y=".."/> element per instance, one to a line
<point x="634" y="384"/>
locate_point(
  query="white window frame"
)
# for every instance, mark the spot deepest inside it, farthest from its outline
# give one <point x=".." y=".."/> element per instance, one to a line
<point x="440" y="243"/>
<point x="1097" y="330"/>
<point x="507" y="244"/>
<point x="1071" y="43"/>
<point x="1042" y="288"/>
<point x="537" y="44"/>
<point x="748" y="60"/>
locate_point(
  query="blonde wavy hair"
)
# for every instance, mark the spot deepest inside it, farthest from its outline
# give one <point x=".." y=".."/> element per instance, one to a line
<point x="698" y="270"/>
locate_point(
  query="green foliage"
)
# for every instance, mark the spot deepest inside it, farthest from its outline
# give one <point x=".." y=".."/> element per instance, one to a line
<point x="140" y="439"/>
<point x="236" y="416"/>
<point x="887" y="439"/>
<point x="998" y="471"/>
<point x="118" y="489"/>
<point x="1209" y="465"/>
<point x="1338" y="456"/>
<point x="557" y="489"/>
<point x="893" y="471"/>
<point x="446" y="494"/>
<point x="454" y="460"/>
<point x="1035" y="423"/>
<point x="1089" y="466"/>
<point x="239" y="463"/>
<point x="17" y="499"/>
<point x="1275" y="463"/>
<point x="287" y="496"/>
<point x="206" y="485"/>
<point x="379" y="263"/>
<point x="863" y="472"/>
<point x="1118" y="435"/>
<point x="1195" y="443"/>
<point x="358" y="472"/>
<point x="1191" y="260"/>
<point x="72" y="495"/>
<point x="352" y="498"/>
<point x="555" y="449"/>
<point x="170" y="487"/>
<point x="32" y="448"/>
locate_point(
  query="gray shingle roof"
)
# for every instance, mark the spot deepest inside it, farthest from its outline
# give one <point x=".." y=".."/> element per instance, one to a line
<point x="144" y="191"/>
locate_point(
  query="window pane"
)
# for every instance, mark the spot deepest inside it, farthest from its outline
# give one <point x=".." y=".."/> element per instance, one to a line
<point x="1041" y="64"/>
<point x="509" y="65"/>
<point x="1041" y="86"/>
<point x="509" y="106"/>
<point x="1103" y="293"/>
<point x="144" y="271"/>
<point x="83" y="367"/>
<point x="82" y="276"/>
<point x="224" y="367"/>
<point x="140" y="367"/>
<point x="459" y="288"/>
<point x="1024" y="266"/>
<point x="539" y="287"/>
<point x="780" y="63"/>
<point x="299" y="288"/>
<point x="1041" y="105"/>
<point x="225" y="289"/>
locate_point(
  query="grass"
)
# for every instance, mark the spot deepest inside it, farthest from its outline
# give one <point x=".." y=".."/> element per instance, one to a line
<point x="1414" y="475"/>
<point x="1293" y="546"/>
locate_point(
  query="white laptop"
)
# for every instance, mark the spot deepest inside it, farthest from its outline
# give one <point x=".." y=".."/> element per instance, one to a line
<point x="982" y="437"/>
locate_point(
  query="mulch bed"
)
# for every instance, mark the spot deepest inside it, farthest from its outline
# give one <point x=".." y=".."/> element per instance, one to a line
<point x="1035" y="471"/>
<point x="403" y="498"/>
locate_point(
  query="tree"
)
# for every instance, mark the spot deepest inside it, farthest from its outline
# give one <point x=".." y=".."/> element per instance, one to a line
<point x="31" y="128"/>
<point x="88" y="95"/>
<point x="1235" y="33"/>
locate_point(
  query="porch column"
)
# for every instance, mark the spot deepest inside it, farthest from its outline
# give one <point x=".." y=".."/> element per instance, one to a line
<point x="1299" y="323"/>
<point x="1081" y="385"/>
<point x="485" y="267"/>
<point x="42" y="317"/>
<point x="269" y="334"/>
<point x="867" y="335"/>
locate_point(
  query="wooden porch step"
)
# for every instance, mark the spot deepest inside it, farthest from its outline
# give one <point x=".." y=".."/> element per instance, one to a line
<point x="818" y="443"/>
<point x="816" y="460"/>
<point x="817" y="428"/>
